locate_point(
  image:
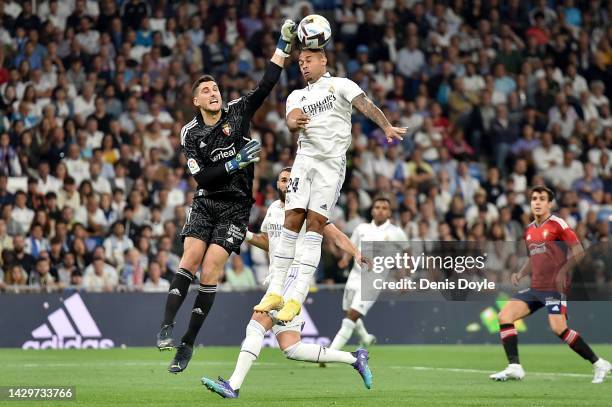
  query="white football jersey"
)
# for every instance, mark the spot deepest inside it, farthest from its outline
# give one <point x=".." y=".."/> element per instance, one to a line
<point x="369" y="232"/>
<point x="328" y="103"/>
<point x="273" y="226"/>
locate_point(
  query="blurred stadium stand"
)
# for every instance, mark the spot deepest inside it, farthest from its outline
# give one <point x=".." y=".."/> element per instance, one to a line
<point x="501" y="96"/>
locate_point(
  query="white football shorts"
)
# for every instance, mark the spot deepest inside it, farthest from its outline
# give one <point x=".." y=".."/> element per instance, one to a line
<point x="352" y="298"/>
<point x="315" y="184"/>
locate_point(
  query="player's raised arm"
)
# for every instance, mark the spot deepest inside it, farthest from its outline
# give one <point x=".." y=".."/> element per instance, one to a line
<point x="372" y="112"/>
<point x="256" y="97"/>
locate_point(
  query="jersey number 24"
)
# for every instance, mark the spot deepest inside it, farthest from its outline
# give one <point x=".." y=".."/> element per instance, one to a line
<point x="293" y="184"/>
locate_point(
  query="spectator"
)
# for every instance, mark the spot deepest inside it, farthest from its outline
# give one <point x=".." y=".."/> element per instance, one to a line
<point x="548" y="154"/>
<point x="481" y="210"/>
<point x="589" y="184"/>
<point x="36" y="242"/>
<point x="95" y="97"/>
<point x="99" y="276"/>
<point x="21" y="214"/>
<point x="15" y="275"/>
<point x="5" y="196"/>
<point x="66" y="268"/>
<point x="238" y="275"/>
<point x="117" y="244"/>
<point x="410" y="59"/>
<point x="154" y="281"/>
<point x="461" y="103"/>
<point x="563" y="175"/>
<point x="42" y="277"/>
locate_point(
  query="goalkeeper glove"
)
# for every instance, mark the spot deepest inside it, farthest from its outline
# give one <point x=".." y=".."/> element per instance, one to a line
<point x="288" y="31"/>
<point x="248" y="155"/>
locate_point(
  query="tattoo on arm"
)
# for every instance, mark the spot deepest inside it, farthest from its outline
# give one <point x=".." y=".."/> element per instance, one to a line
<point x="370" y="110"/>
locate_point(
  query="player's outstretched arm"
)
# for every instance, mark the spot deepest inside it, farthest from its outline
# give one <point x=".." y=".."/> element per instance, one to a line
<point x="258" y="240"/>
<point x="283" y="47"/>
<point x="283" y="50"/>
<point x="372" y="112"/>
<point x="343" y="242"/>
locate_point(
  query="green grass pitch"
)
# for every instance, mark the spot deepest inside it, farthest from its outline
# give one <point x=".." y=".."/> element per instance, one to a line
<point x="403" y="376"/>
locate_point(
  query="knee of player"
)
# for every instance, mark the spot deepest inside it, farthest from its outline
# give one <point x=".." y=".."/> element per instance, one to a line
<point x="291" y="350"/>
<point x="353" y="315"/>
<point x="190" y="266"/>
<point x="504" y="318"/>
<point x="255" y="328"/>
<point x="261" y="321"/>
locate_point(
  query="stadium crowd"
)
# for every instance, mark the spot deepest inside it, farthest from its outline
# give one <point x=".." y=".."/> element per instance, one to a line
<point x="498" y="96"/>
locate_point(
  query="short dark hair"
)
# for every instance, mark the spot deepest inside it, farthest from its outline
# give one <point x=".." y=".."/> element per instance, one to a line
<point x="201" y="79"/>
<point x="383" y="198"/>
<point x="541" y="189"/>
<point x="286" y="169"/>
<point x="319" y="50"/>
<point x="41" y="260"/>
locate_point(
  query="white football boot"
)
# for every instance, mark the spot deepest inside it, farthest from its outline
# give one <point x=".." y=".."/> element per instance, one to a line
<point x="601" y="369"/>
<point x="514" y="371"/>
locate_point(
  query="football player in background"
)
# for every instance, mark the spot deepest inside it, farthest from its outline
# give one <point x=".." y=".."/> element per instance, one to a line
<point x="553" y="250"/>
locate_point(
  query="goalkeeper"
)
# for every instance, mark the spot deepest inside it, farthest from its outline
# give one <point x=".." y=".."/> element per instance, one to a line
<point x="219" y="155"/>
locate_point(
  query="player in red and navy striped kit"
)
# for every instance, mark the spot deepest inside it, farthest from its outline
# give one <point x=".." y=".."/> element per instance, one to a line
<point x="553" y="249"/>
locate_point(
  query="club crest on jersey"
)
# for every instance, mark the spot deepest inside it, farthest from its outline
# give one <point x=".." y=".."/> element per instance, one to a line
<point x="545" y="233"/>
<point x="331" y="89"/>
<point x="226" y="129"/>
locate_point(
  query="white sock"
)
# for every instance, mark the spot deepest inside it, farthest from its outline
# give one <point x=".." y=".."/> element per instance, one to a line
<point x="281" y="261"/>
<point x="251" y="346"/>
<point x="309" y="261"/>
<point x="361" y="330"/>
<point x="344" y="334"/>
<point x="309" y="352"/>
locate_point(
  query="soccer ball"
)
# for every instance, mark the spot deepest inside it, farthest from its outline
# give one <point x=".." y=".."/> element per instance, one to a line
<point x="314" y="31"/>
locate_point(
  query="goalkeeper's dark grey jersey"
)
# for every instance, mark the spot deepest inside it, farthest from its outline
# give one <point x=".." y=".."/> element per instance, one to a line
<point x="207" y="147"/>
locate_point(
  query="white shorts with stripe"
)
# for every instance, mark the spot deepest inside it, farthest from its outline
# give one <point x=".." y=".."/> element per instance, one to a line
<point x="298" y="322"/>
<point x="352" y="298"/>
<point x="315" y="184"/>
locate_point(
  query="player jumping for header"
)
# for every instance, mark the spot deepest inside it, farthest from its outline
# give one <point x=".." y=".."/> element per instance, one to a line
<point x="321" y="113"/>
<point x="549" y="265"/>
